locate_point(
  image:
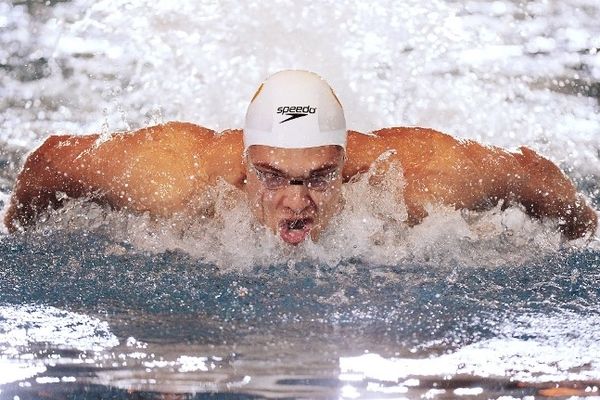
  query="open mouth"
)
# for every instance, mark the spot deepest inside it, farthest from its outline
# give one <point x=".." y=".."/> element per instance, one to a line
<point x="295" y="230"/>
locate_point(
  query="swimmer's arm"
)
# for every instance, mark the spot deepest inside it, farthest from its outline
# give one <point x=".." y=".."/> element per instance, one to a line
<point x="477" y="177"/>
<point x="157" y="170"/>
<point x="466" y="175"/>
<point x="492" y="174"/>
<point x="41" y="184"/>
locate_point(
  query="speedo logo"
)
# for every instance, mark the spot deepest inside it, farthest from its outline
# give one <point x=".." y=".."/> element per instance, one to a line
<point x="293" y="112"/>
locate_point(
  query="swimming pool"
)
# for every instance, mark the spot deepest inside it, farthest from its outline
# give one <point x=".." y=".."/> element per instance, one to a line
<point x="98" y="304"/>
<point x="79" y="317"/>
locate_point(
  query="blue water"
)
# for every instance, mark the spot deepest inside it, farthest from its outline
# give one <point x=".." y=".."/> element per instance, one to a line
<point x="285" y="327"/>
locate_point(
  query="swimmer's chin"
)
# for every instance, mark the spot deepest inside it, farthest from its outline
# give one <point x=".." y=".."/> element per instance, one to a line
<point x="296" y="230"/>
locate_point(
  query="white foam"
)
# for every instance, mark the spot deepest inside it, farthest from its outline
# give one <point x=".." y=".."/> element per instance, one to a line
<point x="370" y="227"/>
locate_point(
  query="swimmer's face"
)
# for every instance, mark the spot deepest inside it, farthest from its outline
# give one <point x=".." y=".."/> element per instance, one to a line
<point x="294" y="192"/>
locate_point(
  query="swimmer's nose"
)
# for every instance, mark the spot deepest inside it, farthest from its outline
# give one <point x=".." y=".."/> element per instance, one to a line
<point x="297" y="198"/>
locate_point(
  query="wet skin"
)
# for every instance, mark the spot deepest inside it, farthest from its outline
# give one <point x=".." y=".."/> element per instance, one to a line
<point x="165" y="169"/>
<point x="294" y="211"/>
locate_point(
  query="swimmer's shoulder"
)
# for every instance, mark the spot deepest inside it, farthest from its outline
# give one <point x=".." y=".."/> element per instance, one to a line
<point x="412" y="146"/>
<point x="173" y="150"/>
<point x="414" y="136"/>
<point x="177" y="131"/>
<point x="183" y="137"/>
<point x="396" y="136"/>
<point x="218" y="154"/>
<point x="173" y="133"/>
<point x="224" y="158"/>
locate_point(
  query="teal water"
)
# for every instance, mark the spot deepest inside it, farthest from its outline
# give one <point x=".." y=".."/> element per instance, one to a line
<point x="78" y="320"/>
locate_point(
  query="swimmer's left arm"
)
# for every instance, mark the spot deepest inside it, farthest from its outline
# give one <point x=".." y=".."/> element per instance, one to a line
<point x="526" y="178"/>
<point x="464" y="174"/>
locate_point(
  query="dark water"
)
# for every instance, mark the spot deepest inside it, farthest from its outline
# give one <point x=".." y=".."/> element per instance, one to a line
<point x="288" y="330"/>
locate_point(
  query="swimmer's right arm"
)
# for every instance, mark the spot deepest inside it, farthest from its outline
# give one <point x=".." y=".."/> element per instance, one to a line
<point x="157" y="170"/>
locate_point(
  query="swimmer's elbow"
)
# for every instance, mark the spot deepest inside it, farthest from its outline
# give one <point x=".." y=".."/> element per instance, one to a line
<point x="25" y="204"/>
<point x="46" y="171"/>
<point x="543" y="184"/>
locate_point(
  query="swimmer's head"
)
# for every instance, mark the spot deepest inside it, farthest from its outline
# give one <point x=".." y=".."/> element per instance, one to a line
<point x="295" y="110"/>
<point x="294" y="141"/>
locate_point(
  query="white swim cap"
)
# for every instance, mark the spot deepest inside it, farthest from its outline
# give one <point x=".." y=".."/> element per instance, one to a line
<point x="295" y="109"/>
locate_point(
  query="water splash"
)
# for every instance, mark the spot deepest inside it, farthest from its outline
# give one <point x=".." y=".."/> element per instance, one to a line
<point x="504" y="73"/>
<point x="370" y="228"/>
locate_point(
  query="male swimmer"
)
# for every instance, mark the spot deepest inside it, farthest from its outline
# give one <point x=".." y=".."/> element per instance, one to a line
<point x="292" y="158"/>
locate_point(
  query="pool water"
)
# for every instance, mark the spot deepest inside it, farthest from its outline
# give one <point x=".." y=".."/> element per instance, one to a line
<point x="99" y="304"/>
<point x="78" y="321"/>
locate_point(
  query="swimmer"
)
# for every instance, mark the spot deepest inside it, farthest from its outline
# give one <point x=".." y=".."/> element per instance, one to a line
<point x="291" y="159"/>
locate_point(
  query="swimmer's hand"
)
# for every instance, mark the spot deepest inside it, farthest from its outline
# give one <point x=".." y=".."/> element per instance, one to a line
<point x="547" y="192"/>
